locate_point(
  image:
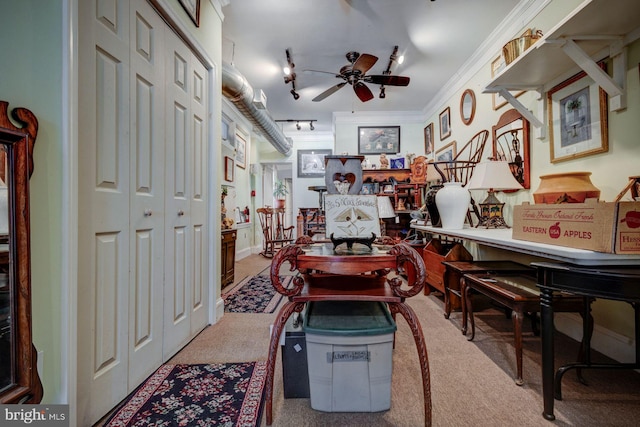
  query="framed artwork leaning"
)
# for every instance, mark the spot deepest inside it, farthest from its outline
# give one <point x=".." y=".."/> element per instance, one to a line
<point x="578" y="121"/>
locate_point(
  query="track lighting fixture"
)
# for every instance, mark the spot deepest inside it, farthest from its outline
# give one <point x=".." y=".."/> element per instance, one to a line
<point x="297" y="122"/>
<point x="382" y="93"/>
<point x="290" y="75"/>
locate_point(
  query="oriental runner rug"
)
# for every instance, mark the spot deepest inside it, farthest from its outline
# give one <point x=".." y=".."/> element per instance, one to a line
<point x="254" y="294"/>
<point x="224" y="394"/>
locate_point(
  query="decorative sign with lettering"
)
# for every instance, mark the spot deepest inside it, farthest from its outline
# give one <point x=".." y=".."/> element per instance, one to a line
<point x="352" y="216"/>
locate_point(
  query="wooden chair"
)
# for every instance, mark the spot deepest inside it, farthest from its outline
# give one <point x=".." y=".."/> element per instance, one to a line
<point x="274" y="234"/>
<point x="461" y="167"/>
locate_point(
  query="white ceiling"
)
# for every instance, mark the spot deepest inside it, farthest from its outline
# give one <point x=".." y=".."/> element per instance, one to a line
<point x="436" y="37"/>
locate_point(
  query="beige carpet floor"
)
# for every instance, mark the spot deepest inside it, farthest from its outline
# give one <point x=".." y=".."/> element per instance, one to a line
<point x="472" y="383"/>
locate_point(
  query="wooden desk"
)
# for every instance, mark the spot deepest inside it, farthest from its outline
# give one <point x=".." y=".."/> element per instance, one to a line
<point x="616" y="283"/>
<point x="348" y="275"/>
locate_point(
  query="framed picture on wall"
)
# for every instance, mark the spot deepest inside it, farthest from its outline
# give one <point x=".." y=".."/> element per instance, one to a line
<point x="228" y="168"/>
<point x="578" y="123"/>
<point x="445" y="124"/>
<point x="446" y="153"/>
<point x="378" y="139"/>
<point x="311" y="163"/>
<point x="428" y="139"/>
<point x="241" y="152"/>
<point x="192" y="7"/>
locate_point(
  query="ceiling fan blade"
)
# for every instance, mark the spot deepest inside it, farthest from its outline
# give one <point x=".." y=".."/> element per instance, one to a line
<point x="388" y="80"/>
<point x="331" y="90"/>
<point x="319" y="71"/>
<point x="363" y="92"/>
<point x="364" y="63"/>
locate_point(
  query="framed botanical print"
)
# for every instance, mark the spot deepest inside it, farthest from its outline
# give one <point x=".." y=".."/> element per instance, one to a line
<point x="445" y="123"/>
<point x="578" y="123"/>
<point x="428" y="139"/>
<point x="228" y="168"/>
<point x="378" y="139"/>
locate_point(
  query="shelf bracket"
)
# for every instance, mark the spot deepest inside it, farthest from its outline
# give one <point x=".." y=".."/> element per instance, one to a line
<point x="615" y="89"/>
<point x="527" y="114"/>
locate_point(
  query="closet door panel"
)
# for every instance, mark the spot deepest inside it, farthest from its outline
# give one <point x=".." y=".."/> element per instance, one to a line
<point x="178" y="131"/>
<point x="198" y="202"/>
<point x="146" y="171"/>
<point x="103" y="218"/>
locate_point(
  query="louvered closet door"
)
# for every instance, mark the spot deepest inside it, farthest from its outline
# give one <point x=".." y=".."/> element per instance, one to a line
<point x="185" y="234"/>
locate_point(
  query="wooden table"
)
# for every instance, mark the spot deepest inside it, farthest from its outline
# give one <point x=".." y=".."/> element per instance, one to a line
<point x="616" y="283"/>
<point x="359" y="274"/>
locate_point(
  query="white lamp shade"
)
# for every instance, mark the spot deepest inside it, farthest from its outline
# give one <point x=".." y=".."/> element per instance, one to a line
<point x="385" y="208"/>
<point x="493" y="175"/>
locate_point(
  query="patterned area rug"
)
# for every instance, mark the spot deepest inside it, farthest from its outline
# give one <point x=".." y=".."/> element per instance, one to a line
<point x="225" y="394"/>
<point x="255" y="294"/>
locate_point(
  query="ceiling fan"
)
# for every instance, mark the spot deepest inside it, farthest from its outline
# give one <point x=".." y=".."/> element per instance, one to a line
<point x="354" y="73"/>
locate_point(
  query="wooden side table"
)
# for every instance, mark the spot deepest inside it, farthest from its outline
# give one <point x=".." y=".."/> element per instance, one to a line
<point x="348" y="275"/>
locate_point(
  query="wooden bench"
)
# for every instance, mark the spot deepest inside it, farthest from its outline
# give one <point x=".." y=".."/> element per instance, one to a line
<point x="455" y="270"/>
<point x="519" y="293"/>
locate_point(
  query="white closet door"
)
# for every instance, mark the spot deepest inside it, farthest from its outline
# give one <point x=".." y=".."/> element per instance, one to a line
<point x="104" y="186"/>
<point x="178" y="182"/>
<point x="199" y="171"/>
<point x="146" y="160"/>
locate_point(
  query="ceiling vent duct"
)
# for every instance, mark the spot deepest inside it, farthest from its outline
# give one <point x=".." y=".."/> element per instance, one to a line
<point x="236" y="89"/>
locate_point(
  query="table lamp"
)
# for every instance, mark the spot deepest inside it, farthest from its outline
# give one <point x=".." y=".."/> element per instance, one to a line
<point x="385" y="210"/>
<point x="492" y="176"/>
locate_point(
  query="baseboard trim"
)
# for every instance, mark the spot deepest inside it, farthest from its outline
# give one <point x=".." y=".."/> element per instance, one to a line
<point x="610" y="343"/>
<point x="219" y="309"/>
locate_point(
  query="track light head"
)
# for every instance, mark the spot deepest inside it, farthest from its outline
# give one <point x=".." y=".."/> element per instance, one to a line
<point x="382" y="92"/>
<point x="311" y="125"/>
<point x="298" y="125"/>
<point x="295" y="94"/>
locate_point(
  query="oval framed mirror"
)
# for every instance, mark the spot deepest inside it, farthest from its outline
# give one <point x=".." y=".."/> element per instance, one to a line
<point x="467" y="106"/>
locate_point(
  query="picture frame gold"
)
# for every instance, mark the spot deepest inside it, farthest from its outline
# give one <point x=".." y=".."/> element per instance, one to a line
<point x="447" y="152"/>
<point x="578" y="118"/>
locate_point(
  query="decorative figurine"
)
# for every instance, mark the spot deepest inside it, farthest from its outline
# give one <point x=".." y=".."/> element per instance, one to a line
<point x="384" y="162"/>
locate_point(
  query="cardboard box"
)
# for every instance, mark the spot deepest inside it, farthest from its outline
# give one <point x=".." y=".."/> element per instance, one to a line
<point x="612" y="227"/>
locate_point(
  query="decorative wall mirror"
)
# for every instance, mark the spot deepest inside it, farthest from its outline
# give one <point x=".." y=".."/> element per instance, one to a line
<point x="511" y="143"/>
<point x="467" y="106"/>
<point x="19" y="381"/>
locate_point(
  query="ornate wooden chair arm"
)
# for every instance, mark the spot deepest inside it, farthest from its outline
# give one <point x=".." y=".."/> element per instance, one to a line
<point x="406" y="254"/>
<point x="288" y="253"/>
